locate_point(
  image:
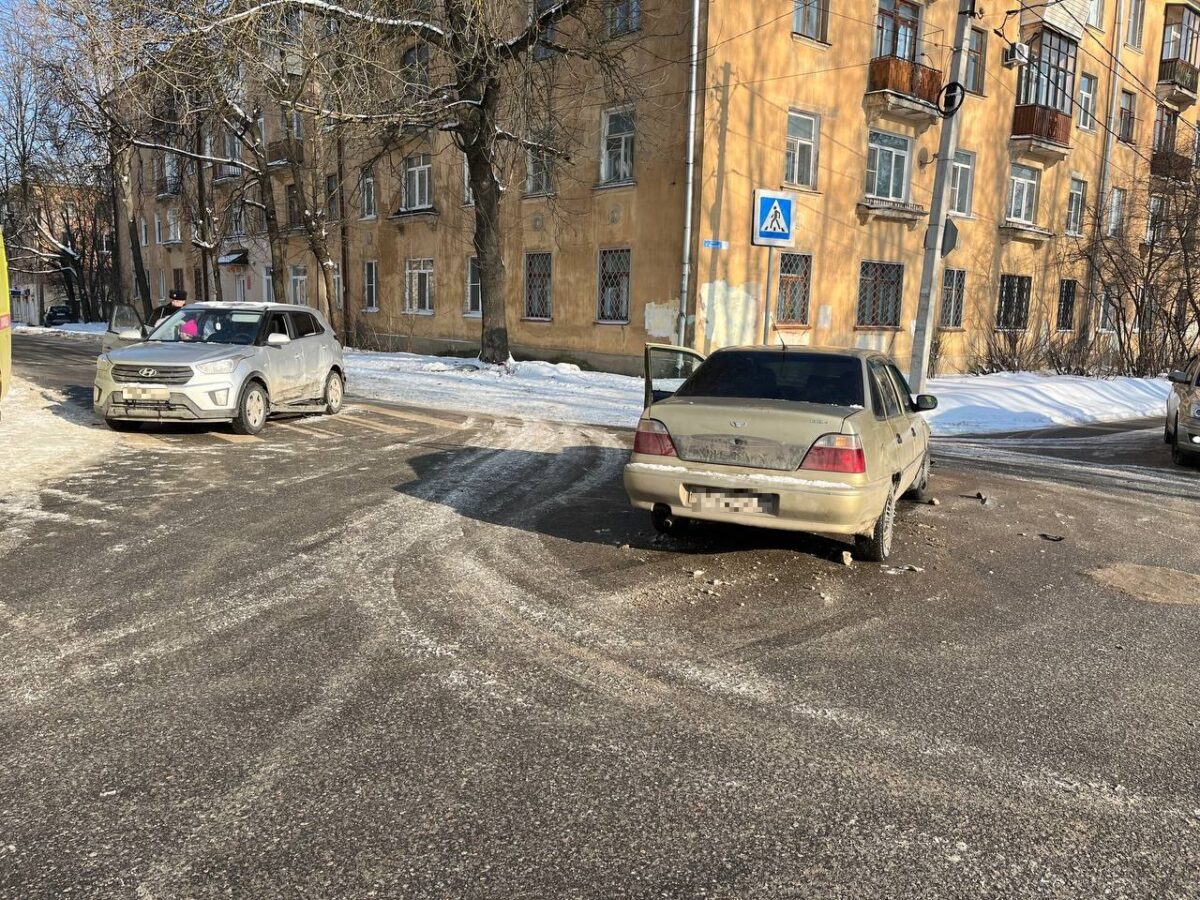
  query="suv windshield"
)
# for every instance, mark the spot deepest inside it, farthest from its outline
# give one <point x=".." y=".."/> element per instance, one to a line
<point x="209" y="326"/>
<point x="788" y="375"/>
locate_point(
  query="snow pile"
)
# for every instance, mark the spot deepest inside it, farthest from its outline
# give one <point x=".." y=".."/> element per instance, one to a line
<point x="70" y="329"/>
<point x="534" y="390"/>
<point x="44" y="435"/>
<point x="1023" y="401"/>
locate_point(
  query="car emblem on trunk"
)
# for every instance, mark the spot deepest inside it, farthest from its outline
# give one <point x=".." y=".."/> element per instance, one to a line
<point x="148" y="373"/>
<point x="736" y="424"/>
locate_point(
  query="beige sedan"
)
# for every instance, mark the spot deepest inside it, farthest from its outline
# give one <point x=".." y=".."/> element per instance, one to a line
<point x="800" y="439"/>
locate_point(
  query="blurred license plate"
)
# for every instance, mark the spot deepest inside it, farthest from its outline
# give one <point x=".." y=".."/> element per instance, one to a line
<point x="139" y="393"/>
<point x="732" y="500"/>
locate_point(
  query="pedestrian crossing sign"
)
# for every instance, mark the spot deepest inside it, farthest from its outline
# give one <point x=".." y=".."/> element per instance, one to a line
<point x="774" y="219"/>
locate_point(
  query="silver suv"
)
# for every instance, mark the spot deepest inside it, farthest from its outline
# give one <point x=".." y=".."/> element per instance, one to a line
<point x="219" y="362"/>
<point x="1183" y="414"/>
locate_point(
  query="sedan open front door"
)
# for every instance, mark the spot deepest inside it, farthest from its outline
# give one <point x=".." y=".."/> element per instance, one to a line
<point x="667" y="368"/>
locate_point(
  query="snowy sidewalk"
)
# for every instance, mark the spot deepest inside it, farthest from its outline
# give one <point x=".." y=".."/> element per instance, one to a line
<point x="88" y="330"/>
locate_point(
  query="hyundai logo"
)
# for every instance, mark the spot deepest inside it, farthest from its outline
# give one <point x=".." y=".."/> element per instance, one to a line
<point x="736" y="424"/>
<point x="148" y="373"/>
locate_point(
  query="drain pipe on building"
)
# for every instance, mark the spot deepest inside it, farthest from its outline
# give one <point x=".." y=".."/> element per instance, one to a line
<point x="685" y="284"/>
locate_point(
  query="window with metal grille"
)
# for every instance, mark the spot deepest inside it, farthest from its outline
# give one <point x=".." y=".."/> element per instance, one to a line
<point x="416" y="181"/>
<point x="1066" y="305"/>
<point x="1049" y="78"/>
<point x="537" y="285"/>
<point x="801" y="154"/>
<point x="976" y="60"/>
<point x="880" y="294"/>
<point x="811" y="18"/>
<point x="954" y="291"/>
<point x="418" y="285"/>
<point x="613" y="300"/>
<point x="624" y="17"/>
<point x="1087" y="101"/>
<point x="795" y="280"/>
<point x="473" y="302"/>
<point x="1076" y="201"/>
<point x="616" y="156"/>
<point x="1013" y="312"/>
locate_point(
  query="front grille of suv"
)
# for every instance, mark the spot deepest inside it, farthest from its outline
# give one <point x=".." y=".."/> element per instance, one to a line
<point x="152" y="374"/>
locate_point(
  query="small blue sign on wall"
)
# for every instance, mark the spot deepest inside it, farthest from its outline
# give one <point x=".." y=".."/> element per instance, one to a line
<point x="774" y="219"/>
<point x="713" y="244"/>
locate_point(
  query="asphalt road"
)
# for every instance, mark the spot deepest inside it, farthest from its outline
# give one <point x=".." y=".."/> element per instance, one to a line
<point x="402" y="653"/>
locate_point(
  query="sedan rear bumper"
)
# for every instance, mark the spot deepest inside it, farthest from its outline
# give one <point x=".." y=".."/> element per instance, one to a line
<point x="803" y="504"/>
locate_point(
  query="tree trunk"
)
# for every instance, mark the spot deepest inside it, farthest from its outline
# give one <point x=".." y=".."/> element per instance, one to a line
<point x="123" y="163"/>
<point x="271" y="223"/>
<point x="481" y="155"/>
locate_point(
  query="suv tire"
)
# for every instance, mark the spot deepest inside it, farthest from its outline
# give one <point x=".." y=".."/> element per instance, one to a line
<point x="252" y="410"/>
<point x="877" y="546"/>
<point x="335" y="393"/>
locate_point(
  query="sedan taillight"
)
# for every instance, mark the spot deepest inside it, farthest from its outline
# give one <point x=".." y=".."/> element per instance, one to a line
<point x="653" y="439"/>
<point x="836" y="453"/>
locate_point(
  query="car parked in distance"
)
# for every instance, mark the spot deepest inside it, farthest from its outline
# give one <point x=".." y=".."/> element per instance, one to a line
<point x="801" y="439"/>
<point x="1182" y="430"/>
<point x="57" y="315"/>
<point x="220" y="362"/>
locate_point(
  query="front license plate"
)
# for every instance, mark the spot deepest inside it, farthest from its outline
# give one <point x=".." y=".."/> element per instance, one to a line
<point x="704" y="499"/>
<point x="141" y="393"/>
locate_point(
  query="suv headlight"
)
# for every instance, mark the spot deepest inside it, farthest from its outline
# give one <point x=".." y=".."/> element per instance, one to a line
<point x="1196" y="409"/>
<point x="219" y="367"/>
<point x="103" y="363"/>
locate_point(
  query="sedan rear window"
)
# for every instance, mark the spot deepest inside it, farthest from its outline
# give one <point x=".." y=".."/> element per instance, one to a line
<point x="791" y="375"/>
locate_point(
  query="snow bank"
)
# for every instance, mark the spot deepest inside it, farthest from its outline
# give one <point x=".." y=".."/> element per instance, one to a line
<point x="1021" y="401"/>
<point x="71" y="329"/>
<point x="563" y="392"/>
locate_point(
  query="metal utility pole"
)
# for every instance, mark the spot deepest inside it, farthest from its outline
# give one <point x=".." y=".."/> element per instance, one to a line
<point x="936" y="232"/>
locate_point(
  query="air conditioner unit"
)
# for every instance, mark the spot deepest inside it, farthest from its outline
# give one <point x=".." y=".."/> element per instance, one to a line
<point x="1016" y="55"/>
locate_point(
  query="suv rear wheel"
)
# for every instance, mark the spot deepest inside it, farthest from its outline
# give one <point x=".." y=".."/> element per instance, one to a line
<point x="252" y="410"/>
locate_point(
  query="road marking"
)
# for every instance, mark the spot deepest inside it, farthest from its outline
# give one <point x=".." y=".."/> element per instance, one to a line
<point x="146" y="441"/>
<point x="236" y="438"/>
<point x="413" y="417"/>
<point x="361" y="421"/>
<point x="303" y="429"/>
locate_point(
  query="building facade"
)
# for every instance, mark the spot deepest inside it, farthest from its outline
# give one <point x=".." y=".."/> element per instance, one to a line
<point x="1073" y="112"/>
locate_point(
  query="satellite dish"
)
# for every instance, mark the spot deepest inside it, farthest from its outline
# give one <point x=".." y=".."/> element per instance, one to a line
<point x="924" y="157"/>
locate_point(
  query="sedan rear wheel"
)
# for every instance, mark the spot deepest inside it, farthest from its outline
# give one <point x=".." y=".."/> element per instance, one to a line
<point x="252" y="410"/>
<point x="877" y="546"/>
<point x="919" y="492"/>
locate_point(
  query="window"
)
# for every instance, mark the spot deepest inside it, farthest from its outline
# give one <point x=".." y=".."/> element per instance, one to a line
<point x="1156" y="220"/>
<point x="292" y="198"/>
<point x="800" y="167"/>
<point x="613" y="299"/>
<point x="542" y="50"/>
<point x="332" y="205"/>
<point x="1180" y="34"/>
<point x="414" y="69"/>
<point x="418" y="285"/>
<point x="880" y="294"/>
<point x="367" y="190"/>
<point x="416" y="181"/>
<point x="468" y="193"/>
<point x="237" y="218"/>
<point x="1116" y="213"/>
<point x="339" y="289"/>
<point x="1049" y="79"/>
<point x="177" y="280"/>
<point x="538" y="167"/>
<point x="962" y="182"/>
<point x="1109" y="313"/>
<point x="1066" y="305"/>
<point x="884" y="400"/>
<point x="1166" y="126"/>
<point x="1076" y="203"/>
<point x="269" y="284"/>
<point x="1095" y="16"/>
<point x="896" y="26"/>
<point x="158" y="229"/>
<point x="538" y="268"/>
<point x="174" y="234"/>
<point x="473" y="302"/>
<point x="1125" y="117"/>
<point x="1022" y="194"/>
<point x="624" y="17"/>
<point x="370" y="286"/>
<point x="811" y="19"/>
<point x="1087" y="101"/>
<point x="976" y="60"/>
<point x="887" y="166"/>
<point x="1135" y="30"/>
<point x="616" y="158"/>
<point x="1013" y="311"/>
<point x="162" y="284"/>
<point x="145" y="232"/>
<point x="954" y="291"/>
<point x="298" y="285"/>
<point x="795" y="281"/>
<point x="239" y="289"/>
<point x="304" y="325"/>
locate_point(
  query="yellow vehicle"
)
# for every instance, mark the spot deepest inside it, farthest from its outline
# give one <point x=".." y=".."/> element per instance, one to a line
<point x="5" y="325"/>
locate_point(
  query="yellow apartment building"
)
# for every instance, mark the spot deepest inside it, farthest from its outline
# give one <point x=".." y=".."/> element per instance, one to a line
<point x="1073" y="111"/>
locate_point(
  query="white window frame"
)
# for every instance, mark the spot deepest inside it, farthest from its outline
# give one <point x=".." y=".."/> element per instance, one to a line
<point x="468" y="193"/>
<point x="1155" y="217"/>
<point x="1116" y="212"/>
<point x="543" y="185"/>
<point x="1135" y="28"/>
<point x="1076" y="206"/>
<point x="339" y="289"/>
<point x="145" y="232"/>
<point x="174" y="227"/>
<point x="367" y="199"/>
<point x="473" y="284"/>
<point x="418" y="178"/>
<point x="1087" y="101"/>
<point x="158" y="228"/>
<point x="418" y="286"/>
<point x="1095" y="16"/>
<point x="814" y="13"/>
<point x="1106" y="311"/>
<point x="370" y="285"/>
<point x="960" y="170"/>
<point x="888" y="154"/>
<point x="162" y="284"/>
<point x="298" y="285"/>
<point x="268" y="285"/>
<point x="797" y="143"/>
<point x="1023" y="190"/>
<point x="623" y="142"/>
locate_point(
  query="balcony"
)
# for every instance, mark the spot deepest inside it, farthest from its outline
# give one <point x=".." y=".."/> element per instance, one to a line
<point x="285" y="151"/>
<point x="1041" y="132"/>
<point x="902" y="89"/>
<point x="1170" y="164"/>
<point x="1178" y="81"/>
<point x="1027" y="232"/>
<point x="871" y="208"/>
<point x="225" y="170"/>
<point x="168" y="186"/>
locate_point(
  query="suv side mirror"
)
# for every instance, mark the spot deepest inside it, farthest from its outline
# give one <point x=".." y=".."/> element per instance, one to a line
<point x="131" y="334"/>
<point x="1178" y="377"/>
<point x="275" y="339"/>
<point x="926" y="402"/>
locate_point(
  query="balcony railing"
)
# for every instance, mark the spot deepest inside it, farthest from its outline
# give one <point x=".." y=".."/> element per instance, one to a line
<point x="167" y="185"/>
<point x="1180" y="73"/>
<point x="903" y="76"/>
<point x="1044" y="123"/>
<point x="1170" y="164"/>
<point x="226" y="170"/>
<point x="285" y="151"/>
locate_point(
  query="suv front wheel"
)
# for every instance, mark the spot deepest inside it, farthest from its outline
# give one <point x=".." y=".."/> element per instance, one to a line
<point x="335" y="393"/>
<point x="252" y="410"/>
